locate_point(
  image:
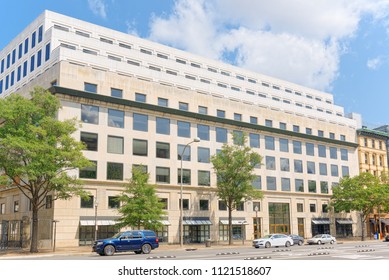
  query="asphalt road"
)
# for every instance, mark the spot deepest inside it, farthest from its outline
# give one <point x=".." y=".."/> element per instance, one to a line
<point x="373" y="250"/>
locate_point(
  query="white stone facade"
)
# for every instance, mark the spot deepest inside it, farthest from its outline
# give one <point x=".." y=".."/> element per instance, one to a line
<point x="183" y="88"/>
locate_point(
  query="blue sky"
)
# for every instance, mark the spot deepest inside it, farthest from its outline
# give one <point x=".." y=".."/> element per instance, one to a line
<point x="336" y="46"/>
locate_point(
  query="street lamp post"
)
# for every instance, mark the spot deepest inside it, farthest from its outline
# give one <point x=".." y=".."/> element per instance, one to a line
<point x="96" y="227"/>
<point x="256" y="220"/>
<point x="196" y="139"/>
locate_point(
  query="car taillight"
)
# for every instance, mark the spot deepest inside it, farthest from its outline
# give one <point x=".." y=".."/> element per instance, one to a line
<point x="156" y="240"/>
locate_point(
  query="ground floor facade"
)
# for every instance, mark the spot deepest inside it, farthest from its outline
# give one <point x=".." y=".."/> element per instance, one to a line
<point x="74" y="223"/>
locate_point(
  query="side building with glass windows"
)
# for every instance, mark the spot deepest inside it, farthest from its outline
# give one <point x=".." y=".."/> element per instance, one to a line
<point x="141" y="103"/>
<point x="372" y="153"/>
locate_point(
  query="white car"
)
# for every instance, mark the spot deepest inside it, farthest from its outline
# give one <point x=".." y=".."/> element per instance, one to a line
<point x="321" y="239"/>
<point x="273" y="240"/>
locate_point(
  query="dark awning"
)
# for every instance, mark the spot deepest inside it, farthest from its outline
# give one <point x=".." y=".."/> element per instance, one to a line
<point x="196" y="221"/>
<point x="385" y="221"/>
<point x="321" y="221"/>
<point x="344" y="221"/>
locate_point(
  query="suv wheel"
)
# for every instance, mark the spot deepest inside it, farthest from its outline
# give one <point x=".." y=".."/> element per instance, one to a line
<point x="300" y="242"/>
<point x="267" y="245"/>
<point x="146" y="248"/>
<point x="109" y="250"/>
<point x="287" y="244"/>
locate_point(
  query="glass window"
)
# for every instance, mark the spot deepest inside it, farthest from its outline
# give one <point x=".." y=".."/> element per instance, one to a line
<point x="162" y="175"/>
<point x="185" y="176"/>
<point x="271" y="183"/>
<point x="87" y="202"/>
<point x="299" y="185"/>
<point x="183" y="106"/>
<point x="203" y="154"/>
<point x="322" y="150"/>
<point x="323" y="187"/>
<point x="118" y="93"/>
<point x="308" y="131"/>
<point x="203" y="110"/>
<point x="220" y="113"/>
<point x="238" y="137"/>
<point x="300" y="207"/>
<point x="320" y="133"/>
<point x="183" y="129"/>
<point x="310" y="149"/>
<point x="47" y="52"/>
<point x="114" y="171"/>
<point x="26" y="46"/>
<point x="203" y="132"/>
<point x="90" y="114"/>
<point x="323" y="168"/>
<point x="185" y="204"/>
<point x="141" y="167"/>
<point x="204" y="205"/>
<point x="140" y="97"/>
<point x="285" y="184"/>
<point x="269" y="123"/>
<point x="333" y="153"/>
<point x="163" y="150"/>
<point x="162" y="126"/>
<point x="257" y="183"/>
<point x="180" y="150"/>
<point x="332" y="135"/>
<point x="221" y="135"/>
<point x="25" y="68"/>
<point x="165" y="203"/>
<point x="113" y="202"/>
<point x="33" y="38"/>
<point x="270" y="163"/>
<point x="282" y="126"/>
<point x="163" y="102"/>
<point x="311" y="167"/>
<point x="204" y="178"/>
<point x="140" y="122"/>
<point x="115" y="145"/>
<point x="345" y="171"/>
<point x="334" y="170"/>
<point x="298" y="166"/>
<point x="296" y="128"/>
<point x="237" y="117"/>
<point x="90" y="87"/>
<point x="39" y="58"/>
<point x="312" y="207"/>
<point x="115" y="118"/>
<point x="269" y="143"/>
<point x="40" y="34"/>
<point x="284" y="163"/>
<point x="254" y="140"/>
<point x="253" y="120"/>
<point x="32" y="63"/>
<point x="222" y="205"/>
<point x="90" y="140"/>
<point x="343" y="154"/>
<point x="297" y="147"/>
<point x="139" y="147"/>
<point x="284" y="145"/>
<point x="311" y="186"/>
<point x="89" y="172"/>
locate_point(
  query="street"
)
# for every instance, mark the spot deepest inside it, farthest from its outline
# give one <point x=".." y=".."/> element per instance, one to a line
<point x="371" y="250"/>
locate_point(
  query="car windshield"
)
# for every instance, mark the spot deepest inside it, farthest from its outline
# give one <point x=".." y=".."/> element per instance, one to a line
<point x="268" y="236"/>
<point x="317" y="236"/>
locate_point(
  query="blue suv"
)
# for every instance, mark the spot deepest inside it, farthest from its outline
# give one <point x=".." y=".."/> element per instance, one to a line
<point x="138" y="241"/>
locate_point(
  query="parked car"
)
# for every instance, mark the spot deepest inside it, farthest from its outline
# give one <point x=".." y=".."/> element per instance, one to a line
<point x="273" y="240"/>
<point x="321" y="239"/>
<point x="297" y="239"/>
<point x="387" y="238"/>
<point x="138" y="241"/>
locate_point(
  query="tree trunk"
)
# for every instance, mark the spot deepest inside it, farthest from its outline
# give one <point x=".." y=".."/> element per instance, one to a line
<point x="363" y="228"/>
<point x="230" y="240"/>
<point x="34" y="231"/>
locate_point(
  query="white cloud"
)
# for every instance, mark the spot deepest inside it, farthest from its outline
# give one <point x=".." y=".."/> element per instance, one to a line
<point x="98" y="7"/>
<point x="296" y="40"/>
<point x="374" y="64"/>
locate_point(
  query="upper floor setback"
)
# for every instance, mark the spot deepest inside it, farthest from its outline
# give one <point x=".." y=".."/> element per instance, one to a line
<point x="59" y="37"/>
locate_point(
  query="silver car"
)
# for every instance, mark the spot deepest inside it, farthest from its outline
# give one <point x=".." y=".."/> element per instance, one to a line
<point x="321" y="239"/>
<point x="273" y="240"/>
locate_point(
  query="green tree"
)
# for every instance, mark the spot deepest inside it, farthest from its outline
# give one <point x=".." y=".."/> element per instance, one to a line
<point x="361" y="193"/>
<point x="140" y="206"/>
<point x="234" y="166"/>
<point x="38" y="150"/>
